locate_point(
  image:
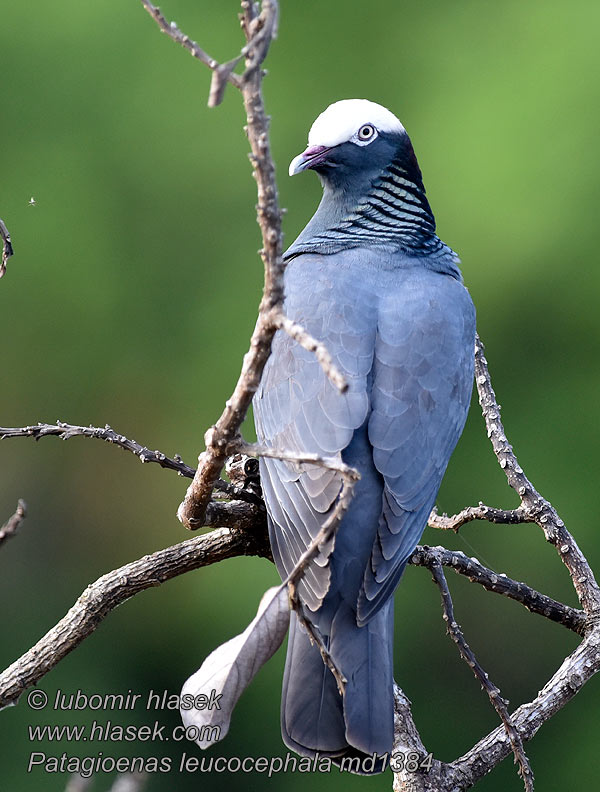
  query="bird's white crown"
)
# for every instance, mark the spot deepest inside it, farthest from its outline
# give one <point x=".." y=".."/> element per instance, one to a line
<point x="341" y="120"/>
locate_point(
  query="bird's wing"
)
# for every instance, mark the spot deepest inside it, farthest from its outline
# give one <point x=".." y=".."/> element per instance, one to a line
<point x="422" y="384"/>
<point x="298" y="409"/>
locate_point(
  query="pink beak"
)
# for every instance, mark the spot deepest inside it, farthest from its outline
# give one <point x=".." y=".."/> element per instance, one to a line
<point x="308" y="159"/>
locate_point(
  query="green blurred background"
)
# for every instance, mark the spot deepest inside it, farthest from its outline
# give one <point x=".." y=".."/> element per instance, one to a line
<point x="134" y="288"/>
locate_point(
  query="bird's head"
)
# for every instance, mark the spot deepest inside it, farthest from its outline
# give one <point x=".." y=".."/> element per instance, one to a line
<point x="354" y="140"/>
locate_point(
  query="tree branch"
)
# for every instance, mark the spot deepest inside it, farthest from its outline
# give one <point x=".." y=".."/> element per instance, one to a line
<point x="65" y="431"/>
<point x="577" y="669"/>
<point x="302" y="458"/>
<point x="259" y="30"/>
<point x="480" y="512"/>
<point x="535" y="602"/>
<point x="173" y="32"/>
<point x="113" y="589"/>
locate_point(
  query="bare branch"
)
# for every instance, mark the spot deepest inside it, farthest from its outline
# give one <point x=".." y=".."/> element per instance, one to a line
<point x="114" y="588"/>
<point x="12" y="525"/>
<point x="259" y="31"/>
<point x="119" y="585"/>
<point x="578" y="668"/>
<point x="299" y="334"/>
<point x="471" y="568"/>
<point x="499" y="704"/>
<point x="302" y="458"/>
<point x="173" y="32"/>
<point x="480" y="512"/>
<point x="65" y="431"/>
<point x="7" y="248"/>
<point x="537" y="508"/>
<point x="222" y="439"/>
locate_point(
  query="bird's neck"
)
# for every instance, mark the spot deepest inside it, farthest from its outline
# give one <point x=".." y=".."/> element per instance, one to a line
<point x="390" y="210"/>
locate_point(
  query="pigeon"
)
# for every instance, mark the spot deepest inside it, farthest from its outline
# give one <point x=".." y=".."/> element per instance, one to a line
<point x="369" y="278"/>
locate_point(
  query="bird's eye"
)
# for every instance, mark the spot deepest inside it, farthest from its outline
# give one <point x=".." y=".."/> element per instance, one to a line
<point x="366" y="132"/>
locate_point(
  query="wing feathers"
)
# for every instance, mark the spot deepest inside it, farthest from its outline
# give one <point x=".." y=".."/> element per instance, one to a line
<point x="404" y="340"/>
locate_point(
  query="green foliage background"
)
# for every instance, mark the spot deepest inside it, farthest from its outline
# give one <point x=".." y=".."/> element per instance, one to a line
<point x="134" y="288"/>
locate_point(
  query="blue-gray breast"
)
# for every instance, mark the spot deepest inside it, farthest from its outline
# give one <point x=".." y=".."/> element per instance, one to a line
<point x="369" y="277"/>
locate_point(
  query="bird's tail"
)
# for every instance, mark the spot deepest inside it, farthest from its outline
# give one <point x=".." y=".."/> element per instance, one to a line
<point x="354" y="729"/>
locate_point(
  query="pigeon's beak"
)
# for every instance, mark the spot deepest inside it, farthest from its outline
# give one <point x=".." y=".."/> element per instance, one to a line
<point x="308" y="159"/>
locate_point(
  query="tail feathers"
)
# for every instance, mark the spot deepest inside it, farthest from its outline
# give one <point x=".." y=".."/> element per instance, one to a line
<point x="314" y="716"/>
<point x="365" y="656"/>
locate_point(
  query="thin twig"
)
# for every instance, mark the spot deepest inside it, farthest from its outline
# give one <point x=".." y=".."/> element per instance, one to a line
<point x="480" y="512"/>
<point x="302" y="458"/>
<point x="499" y="704"/>
<point x="220" y="76"/>
<point x="12" y="525"/>
<point x="173" y="32"/>
<point x="320" y="351"/>
<point x="219" y="439"/>
<point x="7" y="248"/>
<point x="260" y="30"/>
<point x="65" y="431"/>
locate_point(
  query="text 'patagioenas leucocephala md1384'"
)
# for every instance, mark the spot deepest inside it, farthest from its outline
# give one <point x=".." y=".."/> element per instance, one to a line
<point x="370" y="278"/>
